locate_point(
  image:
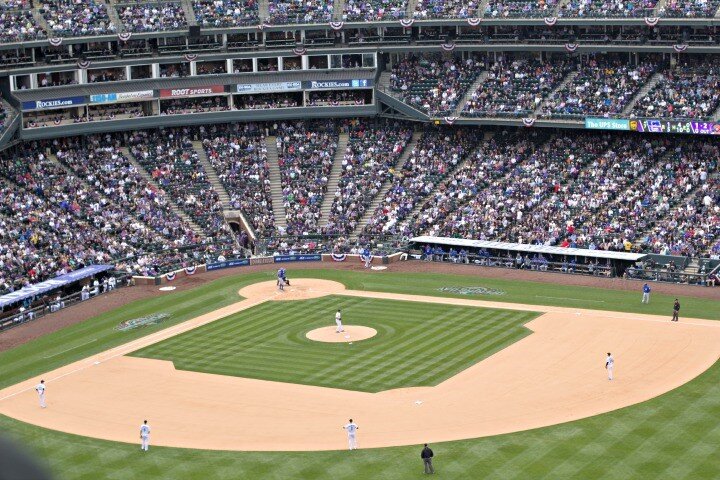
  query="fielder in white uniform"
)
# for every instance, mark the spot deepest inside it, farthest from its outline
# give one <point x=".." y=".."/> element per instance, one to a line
<point x="145" y="436"/>
<point x="40" y="389"/>
<point x="338" y="322"/>
<point x="609" y="364"/>
<point x="351" y="429"/>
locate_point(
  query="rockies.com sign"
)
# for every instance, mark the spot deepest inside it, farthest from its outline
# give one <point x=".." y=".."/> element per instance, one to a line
<point x="54" y="103"/>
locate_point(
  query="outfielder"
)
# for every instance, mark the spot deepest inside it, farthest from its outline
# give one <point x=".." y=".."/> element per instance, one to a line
<point x="609" y="364"/>
<point x="338" y="322"/>
<point x="646" y="293"/>
<point x="145" y="436"/>
<point x="351" y="428"/>
<point x="40" y="389"/>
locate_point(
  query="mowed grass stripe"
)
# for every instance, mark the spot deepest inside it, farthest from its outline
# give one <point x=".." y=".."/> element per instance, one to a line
<point x="426" y="343"/>
<point x="417" y="343"/>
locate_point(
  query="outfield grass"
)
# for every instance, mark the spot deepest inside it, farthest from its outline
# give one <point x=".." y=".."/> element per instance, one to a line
<point x="418" y="344"/>
<point x="675" y="436"/>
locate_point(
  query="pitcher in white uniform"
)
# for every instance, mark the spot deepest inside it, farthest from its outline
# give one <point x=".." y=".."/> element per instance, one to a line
<point x="609" y="364"/>
<point x="338" y="322"/>
<point x="351" y="429"/>
<point x="145" y="436"/>
<point x="40" y="389"/>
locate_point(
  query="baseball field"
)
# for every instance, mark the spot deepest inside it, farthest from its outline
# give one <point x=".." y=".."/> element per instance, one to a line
<point x="504" y="378"/>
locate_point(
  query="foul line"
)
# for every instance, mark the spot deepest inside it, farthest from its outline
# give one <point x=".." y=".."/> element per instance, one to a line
<point x="71" y="348"/>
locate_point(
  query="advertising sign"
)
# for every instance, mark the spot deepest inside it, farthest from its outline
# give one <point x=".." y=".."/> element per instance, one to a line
<point x="656" y="125"/>
<point x="269" y="87"/>
<point x="607" y="123"/>
<point x="122" y="96"/>
<point x="228" y="264"/>
<point x="335" y="84"/>
<point x="297" y="258"/>
<point x="191" y="91"/>
<point x="54" y="103"/>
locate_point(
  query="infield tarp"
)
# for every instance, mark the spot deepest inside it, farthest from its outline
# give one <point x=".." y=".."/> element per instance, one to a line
<point x="52" y="284"/>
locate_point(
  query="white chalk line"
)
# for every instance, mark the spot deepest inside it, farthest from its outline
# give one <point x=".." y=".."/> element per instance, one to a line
<point x="569" y="298"/>
<point x="71" y="348"/>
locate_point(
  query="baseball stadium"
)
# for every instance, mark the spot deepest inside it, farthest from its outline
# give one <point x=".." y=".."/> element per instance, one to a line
<point x="342" y="239"/>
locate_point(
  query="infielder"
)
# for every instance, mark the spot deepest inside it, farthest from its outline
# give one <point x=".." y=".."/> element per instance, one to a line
<point x="40" y="389"/>
<point x="646" y="293"/>
<point x="281" y="274"/>
<point x="609" y="364"/>
<point x="338" y="322"/>
<point x="281" y="284"/>
<point x="145" y="436"/>
<point x="367" y="257"/>
<point x="351" y="428"/>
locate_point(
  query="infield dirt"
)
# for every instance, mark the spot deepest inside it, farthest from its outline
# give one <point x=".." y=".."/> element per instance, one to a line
<point x="554" y="375"/>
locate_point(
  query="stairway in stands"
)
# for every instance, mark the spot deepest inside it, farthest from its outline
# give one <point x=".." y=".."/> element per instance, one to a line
<point x="649" y="85"/>
<point x="334" y="179"/>
<point x="175" y="208"/>
<point x="113" y="14"/>
<point x="469" y="93"/>
<point x="189" y="12"/>
<point x="569" y="78"/>
<point x="338" y="10"/>
<point x="212" y="175"/>
<point x="386" y="186"/>
<point x="263" y="10"/>
<point x="276" y="184"/>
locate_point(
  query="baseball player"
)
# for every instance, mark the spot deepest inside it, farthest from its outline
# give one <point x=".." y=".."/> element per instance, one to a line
<point x="40" y="389"/>
<point x="646" y="293"/>
<point x="609" y="364"/>
<point x="281" y="274"/>
<point x="145" y="436"/>
<point x="338" y="322"/>
<point x="281" y="284"/>
<point x="676" y="310"/>
<point x="351" y="428"/>
<point x="367" y="257"/>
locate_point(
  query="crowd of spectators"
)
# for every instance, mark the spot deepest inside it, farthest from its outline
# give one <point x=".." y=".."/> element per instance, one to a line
<point x="74" y="18"/>
<point x="152" y="17"/>
<point x="435" y="155"/>
<point x="429" y="9"/>
<point x="374" y="10"/>
<point x="432" y="83"/>
<point x="520" y="8"/>
<point x="602" y="87"/>
<point x="336" y="98"/>
<point x="238" y="153"/>
<point x="225" y="13"/>
<point x="306" y="152"/>
<point x="300" y="11"/>
<point x="19" y="26"/>
<point x="173" y="163"/>
<point x="114" y="112"/>
<point x="181" y="106"/>
<point x="607" y="8"/>
<point x="690" y="8"/>
<point x="368" y="162"/>
<point x="687" y="91"/>
<point x="268" y="100"/>
<point x="516" y="87"/>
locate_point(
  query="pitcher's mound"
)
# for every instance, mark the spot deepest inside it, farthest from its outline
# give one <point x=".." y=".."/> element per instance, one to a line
<point x="352" y="333"/>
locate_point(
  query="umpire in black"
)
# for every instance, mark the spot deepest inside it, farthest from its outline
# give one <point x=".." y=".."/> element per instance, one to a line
<point x="676" y="310"/>
<point x="427" y="456"/>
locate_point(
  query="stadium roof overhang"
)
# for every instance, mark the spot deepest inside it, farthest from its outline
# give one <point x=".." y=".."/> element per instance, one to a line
<point x="526" y="248"/>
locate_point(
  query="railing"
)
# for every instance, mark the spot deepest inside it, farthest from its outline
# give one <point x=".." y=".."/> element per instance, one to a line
<point x="318" y="243"/>
<point x="539" y="265"/>
<point x="635" y="273"/>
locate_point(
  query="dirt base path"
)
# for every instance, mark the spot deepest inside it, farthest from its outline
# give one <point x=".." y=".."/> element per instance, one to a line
<point x="554" y="375"/>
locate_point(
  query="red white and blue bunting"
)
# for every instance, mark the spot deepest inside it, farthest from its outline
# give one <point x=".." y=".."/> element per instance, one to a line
<point x="550" y="21"/>
<point x="679" y="48"/>
<point x="336" y="25"/>
<point x="57" y="122"/>
<point x="55" y="41"/>
<point x="83" y="64"/>
<point x="407" y="22"/>
<point x="528" y="122"/>
<point x="571" y="47"/>
<point x="473" y="22"/>
<point x="651" y="21"/>
<point x="124" y="36"/>
<point x="170" y="276"/>
<point x="261" y="27"/>
<point x="299" y="51"/>
<point x="449" y="120"/>
<point x="190" y="57"/>
<point x="190" y="270"/>
<point x="448" y="46"/>
<point x="338" y="257"/>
